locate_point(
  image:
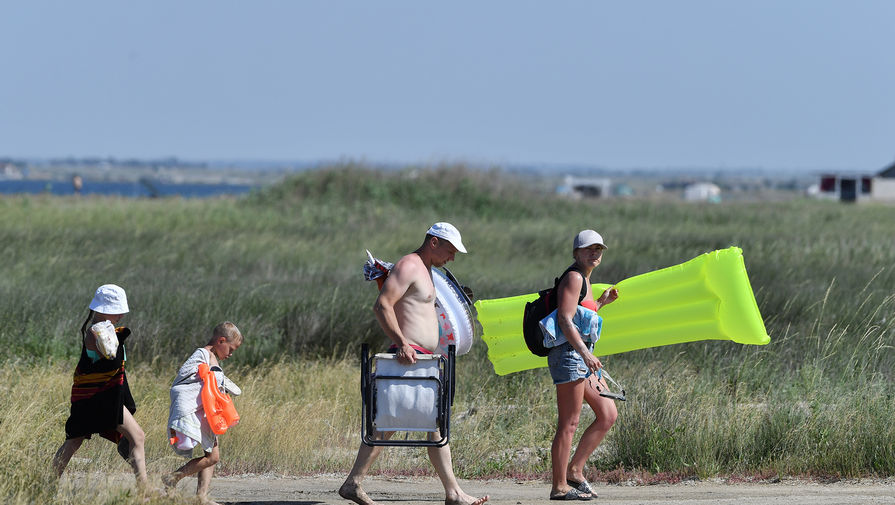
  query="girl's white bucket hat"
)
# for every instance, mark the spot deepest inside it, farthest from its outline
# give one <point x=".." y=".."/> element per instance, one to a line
<point x="109" y="299"/>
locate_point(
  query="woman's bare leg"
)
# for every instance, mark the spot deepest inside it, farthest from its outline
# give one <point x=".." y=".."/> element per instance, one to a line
<point x="569" y="398"/>
<point x="606" y="414"/>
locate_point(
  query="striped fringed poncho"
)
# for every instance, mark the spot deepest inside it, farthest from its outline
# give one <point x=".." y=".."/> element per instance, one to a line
<point x="99" y="393"/>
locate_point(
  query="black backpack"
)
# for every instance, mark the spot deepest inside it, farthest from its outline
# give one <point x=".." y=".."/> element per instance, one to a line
<point x="541" y="307"/>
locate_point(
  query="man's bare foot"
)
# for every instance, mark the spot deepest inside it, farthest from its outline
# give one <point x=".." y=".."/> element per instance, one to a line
<point x="355" y="493"/>
<point x="465" y="499"/>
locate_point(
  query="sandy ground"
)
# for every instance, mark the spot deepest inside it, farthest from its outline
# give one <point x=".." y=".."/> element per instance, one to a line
<point x="275" y="490"/>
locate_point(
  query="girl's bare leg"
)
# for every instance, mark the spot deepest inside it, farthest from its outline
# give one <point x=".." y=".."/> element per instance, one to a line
<point x="130" y="429"/>
<point x="64" y="454"/>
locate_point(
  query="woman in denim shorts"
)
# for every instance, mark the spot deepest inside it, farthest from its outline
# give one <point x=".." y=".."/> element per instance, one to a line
<point x="572" y="366"/>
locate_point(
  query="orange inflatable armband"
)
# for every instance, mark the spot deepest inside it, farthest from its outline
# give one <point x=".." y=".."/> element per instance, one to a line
<point x="219" y="408"/>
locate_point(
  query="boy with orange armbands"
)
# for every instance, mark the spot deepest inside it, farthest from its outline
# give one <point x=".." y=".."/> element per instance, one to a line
<point x="188" y="424"/>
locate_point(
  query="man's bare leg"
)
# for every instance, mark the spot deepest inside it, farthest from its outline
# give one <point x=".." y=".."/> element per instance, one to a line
<point x="444" y="466"/>
<point x="351" y="488"/>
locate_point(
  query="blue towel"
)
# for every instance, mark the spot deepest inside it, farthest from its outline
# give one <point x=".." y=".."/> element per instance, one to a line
<point x="587" y="321"/>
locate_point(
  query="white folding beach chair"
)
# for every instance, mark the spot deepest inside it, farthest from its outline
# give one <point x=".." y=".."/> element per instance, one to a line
<point x="414" y="399"/>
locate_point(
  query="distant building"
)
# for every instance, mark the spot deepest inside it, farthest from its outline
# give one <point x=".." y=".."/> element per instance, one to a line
<point x="10" y="171"/>
<point x="702" y="192"/>
<point x="585" y="187"/>
<point x="883" y="184"/>
<point x="857" y="187"/>
<point x="844" y="187"/>
<point x="623" y="190"/>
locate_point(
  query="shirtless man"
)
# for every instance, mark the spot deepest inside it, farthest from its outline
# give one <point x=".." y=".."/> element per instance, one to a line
<point x="405" y="310"/>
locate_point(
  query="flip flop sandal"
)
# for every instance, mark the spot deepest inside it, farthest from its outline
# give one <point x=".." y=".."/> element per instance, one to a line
<point x="582" y="486"/>
<point x="573" y="494"/>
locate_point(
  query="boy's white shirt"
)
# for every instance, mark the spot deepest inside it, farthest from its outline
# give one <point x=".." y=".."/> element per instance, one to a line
<point x="186" y="413"/>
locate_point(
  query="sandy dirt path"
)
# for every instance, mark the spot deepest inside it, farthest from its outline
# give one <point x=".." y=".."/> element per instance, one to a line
<point x="275" y="490"/>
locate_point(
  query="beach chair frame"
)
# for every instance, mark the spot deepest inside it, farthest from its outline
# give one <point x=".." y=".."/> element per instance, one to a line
<point x="444" y="400"/>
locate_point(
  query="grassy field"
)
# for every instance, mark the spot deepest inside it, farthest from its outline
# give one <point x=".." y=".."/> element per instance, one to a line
<point x="284" y="265"/>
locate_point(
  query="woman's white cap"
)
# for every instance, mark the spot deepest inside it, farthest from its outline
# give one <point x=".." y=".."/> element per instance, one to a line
<point x="587" y="238"/>
<point x="109" y="299"/>
<point x="448" y="232"/>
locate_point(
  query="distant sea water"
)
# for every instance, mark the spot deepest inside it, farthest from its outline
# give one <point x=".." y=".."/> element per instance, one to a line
<point x="127" y="189"/>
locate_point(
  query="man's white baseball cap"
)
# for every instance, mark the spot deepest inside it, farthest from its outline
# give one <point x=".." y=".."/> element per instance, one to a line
<point x="448" y="232"/>
<point x="109" y="299"/>
<point x="587" y="238"/>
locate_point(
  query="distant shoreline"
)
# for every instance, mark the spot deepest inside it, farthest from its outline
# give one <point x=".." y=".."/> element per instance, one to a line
<point x="135" y="189"/>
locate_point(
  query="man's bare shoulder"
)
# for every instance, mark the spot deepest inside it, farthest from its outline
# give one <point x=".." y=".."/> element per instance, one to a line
<point x="410" y="265"/>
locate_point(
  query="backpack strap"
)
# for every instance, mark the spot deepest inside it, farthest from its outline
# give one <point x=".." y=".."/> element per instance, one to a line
<point x="573" y="268"/>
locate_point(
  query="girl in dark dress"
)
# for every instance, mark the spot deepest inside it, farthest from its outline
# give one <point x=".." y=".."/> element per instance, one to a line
<point x="101" y="401"/>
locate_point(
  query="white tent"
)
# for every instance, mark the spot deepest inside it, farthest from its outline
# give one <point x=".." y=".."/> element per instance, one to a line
<point x="702" y="192"/>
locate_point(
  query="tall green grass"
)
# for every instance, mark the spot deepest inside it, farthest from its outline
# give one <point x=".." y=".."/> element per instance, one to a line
<point x="284" y="265"/>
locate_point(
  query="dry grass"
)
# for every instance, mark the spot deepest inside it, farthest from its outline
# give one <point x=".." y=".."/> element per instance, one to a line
<point x="284" y="265"/>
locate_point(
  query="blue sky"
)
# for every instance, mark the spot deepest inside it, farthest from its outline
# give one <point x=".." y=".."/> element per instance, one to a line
<point x="780" y="84"/>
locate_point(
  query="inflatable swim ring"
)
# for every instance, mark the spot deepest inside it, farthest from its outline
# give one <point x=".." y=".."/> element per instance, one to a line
<point x="706" y="298"/>
<point x="452" y="306"/>
<point x="453" y="309"/>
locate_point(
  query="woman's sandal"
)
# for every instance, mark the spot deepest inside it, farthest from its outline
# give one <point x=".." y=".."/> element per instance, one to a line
<point x="573" y="494"/>
<point x="582" y="486"/>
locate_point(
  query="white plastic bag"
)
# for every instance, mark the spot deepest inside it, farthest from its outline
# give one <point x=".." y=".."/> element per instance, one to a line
<point x="106" y="339"/>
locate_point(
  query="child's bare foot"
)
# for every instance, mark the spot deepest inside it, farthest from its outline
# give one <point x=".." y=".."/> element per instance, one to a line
<point x="465" y="499"/>
<point x="170" y="480"/>
<point x="148" y="494"/>
<point x="355" y="493"/>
